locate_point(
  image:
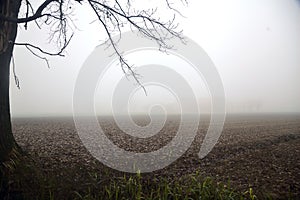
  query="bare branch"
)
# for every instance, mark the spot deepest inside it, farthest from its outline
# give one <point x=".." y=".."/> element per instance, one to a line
<point x="112" y="15"/>
<point x="35" y="54"/>
<point x="122" y="61"/>
<point x="35" y="16"/>
<point x="59" y="53"/>
<point x="30" y="48"/>
<point x="17" y="82"/>
<point x="144" y="22"/>
<point x="170" y="6"/>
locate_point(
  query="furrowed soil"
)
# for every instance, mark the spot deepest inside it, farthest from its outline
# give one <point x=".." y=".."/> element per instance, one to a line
<point x="257" y="151"/>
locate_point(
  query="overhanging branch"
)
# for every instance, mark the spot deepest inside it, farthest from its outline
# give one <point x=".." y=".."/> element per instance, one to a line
<point x="59" y="53"/>
<point x="36" y="15"/>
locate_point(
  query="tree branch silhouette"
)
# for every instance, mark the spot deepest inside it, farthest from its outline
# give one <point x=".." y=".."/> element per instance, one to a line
<point x="112" y="15"/>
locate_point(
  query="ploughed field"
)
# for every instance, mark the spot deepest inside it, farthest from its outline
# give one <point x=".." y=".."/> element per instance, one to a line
<point x="257" y="151"/>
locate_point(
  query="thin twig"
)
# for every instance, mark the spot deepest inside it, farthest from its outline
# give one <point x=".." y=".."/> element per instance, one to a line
<point x="112" y="15"/>
<point x="17" y="82"/>
<point x="59" y="53"/>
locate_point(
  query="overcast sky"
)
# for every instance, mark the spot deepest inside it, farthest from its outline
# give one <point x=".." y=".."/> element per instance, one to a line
<point x="255" y="46"/>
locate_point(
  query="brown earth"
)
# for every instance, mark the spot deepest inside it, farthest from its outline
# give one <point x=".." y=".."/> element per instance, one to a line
<point x="257" y="151"/>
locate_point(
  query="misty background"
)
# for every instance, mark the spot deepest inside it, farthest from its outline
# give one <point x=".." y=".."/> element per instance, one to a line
<point x="255" y="46"/>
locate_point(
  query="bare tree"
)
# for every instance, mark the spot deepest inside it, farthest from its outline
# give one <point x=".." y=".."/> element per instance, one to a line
<point x="113" y="15"/>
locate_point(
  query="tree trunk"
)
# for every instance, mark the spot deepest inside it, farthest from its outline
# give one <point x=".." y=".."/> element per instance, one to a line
<point x="8" y="32"/>
<point x="8" y="146"/>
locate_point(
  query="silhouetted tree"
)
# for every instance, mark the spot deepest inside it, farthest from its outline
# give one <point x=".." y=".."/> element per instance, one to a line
<point x="113" y="15"/>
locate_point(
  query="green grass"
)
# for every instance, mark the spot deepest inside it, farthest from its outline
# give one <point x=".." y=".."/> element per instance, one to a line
<point x="189" y="187"/>
<point x="27" y="181"/>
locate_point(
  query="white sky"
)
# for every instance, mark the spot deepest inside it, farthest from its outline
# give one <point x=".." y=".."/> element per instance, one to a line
<point x="254" y="44"/>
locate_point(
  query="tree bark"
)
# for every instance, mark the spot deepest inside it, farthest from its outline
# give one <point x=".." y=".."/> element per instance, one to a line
<point x="8" y="33"/>
<point x="8" y="146"/>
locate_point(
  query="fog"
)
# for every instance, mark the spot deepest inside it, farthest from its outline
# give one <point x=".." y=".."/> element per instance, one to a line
<point x="255" y="46"/>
